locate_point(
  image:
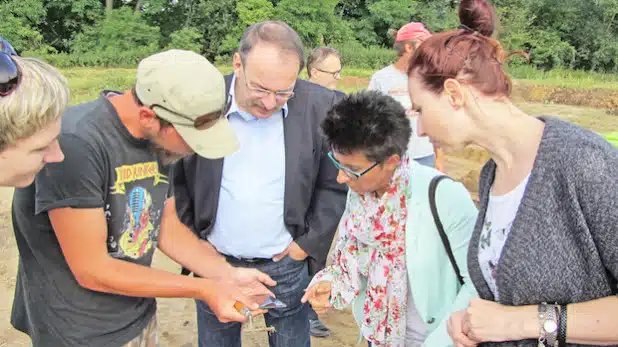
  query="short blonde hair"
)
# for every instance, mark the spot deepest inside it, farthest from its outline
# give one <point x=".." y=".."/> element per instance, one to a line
<point x="40" y="98"/>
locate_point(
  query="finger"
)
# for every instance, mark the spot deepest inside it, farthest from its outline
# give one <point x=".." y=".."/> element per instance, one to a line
<point x="463" y="340"/>
<point x="281" y="255"/>
<point x="248" y="301"/>
<point x="465" y="324"/>
<point x="264" y="278"/>
<point x="261" y="290"/>
<point x="309" y="294"/>
<point x="306" y="297"/>
<point x="231" y="315"/>
<point x="321" y="310"/>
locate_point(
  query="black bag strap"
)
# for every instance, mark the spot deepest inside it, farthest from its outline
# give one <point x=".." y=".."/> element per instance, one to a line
<point x="436" y="218"/>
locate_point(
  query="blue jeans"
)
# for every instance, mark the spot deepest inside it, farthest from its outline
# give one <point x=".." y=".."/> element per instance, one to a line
<point x="291" y="323"/>
<point x="429" y="160"/>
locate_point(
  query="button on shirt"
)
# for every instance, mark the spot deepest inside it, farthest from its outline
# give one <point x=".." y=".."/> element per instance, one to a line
<point x="250" y="221"/>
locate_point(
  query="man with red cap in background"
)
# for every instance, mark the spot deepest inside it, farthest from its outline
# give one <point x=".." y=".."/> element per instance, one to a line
<point x="393" y="81"/>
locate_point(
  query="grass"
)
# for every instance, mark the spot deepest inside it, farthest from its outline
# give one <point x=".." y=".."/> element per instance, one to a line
<point x="87" y="83"/>
<point x="564" y="78"/>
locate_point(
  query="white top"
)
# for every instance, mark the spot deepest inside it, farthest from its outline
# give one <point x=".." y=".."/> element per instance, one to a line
<point x="501" y="212"/>
<point x="394" y="83"/>
<point x="416" y="331"/>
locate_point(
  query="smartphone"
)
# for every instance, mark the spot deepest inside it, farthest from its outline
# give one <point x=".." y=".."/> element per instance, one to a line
<point x="269" y="302"/>
<point x="272" y="302"/>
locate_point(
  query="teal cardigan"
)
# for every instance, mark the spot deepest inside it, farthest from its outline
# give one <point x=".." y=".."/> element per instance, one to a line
<point x="435" y="288"/>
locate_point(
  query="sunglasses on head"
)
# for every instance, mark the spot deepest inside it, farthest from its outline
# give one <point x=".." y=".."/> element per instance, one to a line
<point x="10" y="75"/>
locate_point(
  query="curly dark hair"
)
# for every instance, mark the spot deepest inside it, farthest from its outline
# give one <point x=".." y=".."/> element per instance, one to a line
<point x="370" y="122"/>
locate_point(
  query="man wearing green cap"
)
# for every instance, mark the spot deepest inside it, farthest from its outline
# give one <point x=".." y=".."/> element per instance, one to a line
<point x="87" y="228"/>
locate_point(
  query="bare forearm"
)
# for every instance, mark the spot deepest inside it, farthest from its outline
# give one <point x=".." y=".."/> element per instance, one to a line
<point x="590" y="323"/>
<point x="196" y="255"/>
<point x="593" y="322"/>
<point x="124" y="278"/>
<point x="178" y="242"/>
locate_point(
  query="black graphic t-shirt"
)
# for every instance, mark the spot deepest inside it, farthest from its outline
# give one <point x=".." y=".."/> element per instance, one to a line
<point x="105" y="167"/>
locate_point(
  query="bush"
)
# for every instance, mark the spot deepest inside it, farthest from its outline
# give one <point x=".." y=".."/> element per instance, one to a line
<point x="550" y="52"/>
<point x="128" y="59"/>
<point x="186" y="38"/>
<point x="354" y="54"/>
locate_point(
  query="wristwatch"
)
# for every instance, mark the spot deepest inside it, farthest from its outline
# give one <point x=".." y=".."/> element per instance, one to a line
<point x="548" y="320"/>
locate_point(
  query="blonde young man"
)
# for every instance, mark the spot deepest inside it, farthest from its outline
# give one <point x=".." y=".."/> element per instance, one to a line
<point x="33" y="95"/>
<point x="324" y="67"/>
<point x="88" y="227"/>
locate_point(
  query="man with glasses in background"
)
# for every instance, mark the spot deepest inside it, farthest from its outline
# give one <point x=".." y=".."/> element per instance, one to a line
<point x="324" y="67"/>
<point x="87" y="228"/>
<point x="273" y="205"/>
<point x="33" y="96"/>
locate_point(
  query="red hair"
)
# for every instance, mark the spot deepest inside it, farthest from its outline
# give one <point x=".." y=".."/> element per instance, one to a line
<point x="468" y="54"/>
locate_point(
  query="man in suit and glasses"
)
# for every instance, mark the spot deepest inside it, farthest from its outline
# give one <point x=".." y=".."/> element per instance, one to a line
<point x="275" y="204"/>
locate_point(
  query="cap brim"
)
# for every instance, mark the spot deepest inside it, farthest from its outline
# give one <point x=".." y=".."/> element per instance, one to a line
<point x="215" y="142"/>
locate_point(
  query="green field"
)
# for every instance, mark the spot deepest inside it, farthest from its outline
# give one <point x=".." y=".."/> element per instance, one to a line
<point x="86" y="83"/>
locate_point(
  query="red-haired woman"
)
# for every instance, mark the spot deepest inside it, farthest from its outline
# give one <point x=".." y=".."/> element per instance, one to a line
<point x="544" y="254"/>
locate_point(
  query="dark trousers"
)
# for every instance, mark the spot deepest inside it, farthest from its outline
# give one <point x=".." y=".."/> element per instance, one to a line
<point x="291" y="323"/>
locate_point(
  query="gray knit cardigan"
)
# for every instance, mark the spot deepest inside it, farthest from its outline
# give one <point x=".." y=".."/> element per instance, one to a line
<point x="563" y="245"/>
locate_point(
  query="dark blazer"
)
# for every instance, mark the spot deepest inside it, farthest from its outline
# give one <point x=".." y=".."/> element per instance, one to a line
<point x="313" y="200"/>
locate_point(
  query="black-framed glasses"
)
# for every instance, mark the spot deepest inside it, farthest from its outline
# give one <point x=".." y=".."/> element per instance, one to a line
<point x="202" y="122"/>
<point x="350" y="173"/>
<point x="336" y="74"/>
<point x="10" y="74"/>
<point x="280" y="96"/>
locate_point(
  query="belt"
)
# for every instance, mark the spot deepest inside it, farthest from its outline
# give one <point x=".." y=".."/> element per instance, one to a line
<point x="255" y="261"/>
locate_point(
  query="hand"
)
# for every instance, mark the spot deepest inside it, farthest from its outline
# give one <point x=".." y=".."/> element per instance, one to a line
<point x="226" y="301"/>
<point x="252" y="282"/>
<point x="488" y="321"/>
<point x="294" y="251"/>
<point x="454" y="326"/>
<point x="318" y="296"/>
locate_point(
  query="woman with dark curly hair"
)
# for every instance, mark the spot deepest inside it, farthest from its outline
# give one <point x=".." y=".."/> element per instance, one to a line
<point x="390" y="260"/>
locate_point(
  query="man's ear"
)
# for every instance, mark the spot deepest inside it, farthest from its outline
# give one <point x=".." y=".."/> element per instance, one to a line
<point x="453" y="90"/>
<point x="314" y="71"/>
<point x="408" y="47"/>
<point x="148" y="119"/>
<point x="237" y="63"/>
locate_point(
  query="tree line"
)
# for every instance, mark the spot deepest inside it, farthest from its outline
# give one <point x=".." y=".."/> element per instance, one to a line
<point x="576" y="34"/>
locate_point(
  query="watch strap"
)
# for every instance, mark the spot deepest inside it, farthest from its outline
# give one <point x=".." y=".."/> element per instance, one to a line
<point x="562" y="326"/>
<point x="548" y="318"/>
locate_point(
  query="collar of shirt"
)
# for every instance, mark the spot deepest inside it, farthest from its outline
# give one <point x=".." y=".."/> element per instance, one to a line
<point x="246" y="115"/>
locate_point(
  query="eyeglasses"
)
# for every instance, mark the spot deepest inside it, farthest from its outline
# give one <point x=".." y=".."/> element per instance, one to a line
<point x="280" y="96"/>
<point x="353" y="175"/>
<point x="336" y="74"/>
<point x="202" y="122"/>
<point x="10" y="75"/>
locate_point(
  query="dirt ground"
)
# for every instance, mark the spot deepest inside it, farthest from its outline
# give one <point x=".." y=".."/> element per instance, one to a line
<point x="177" y="316"/>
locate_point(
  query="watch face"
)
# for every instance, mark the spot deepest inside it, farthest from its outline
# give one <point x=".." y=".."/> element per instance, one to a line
<point x="550" y="326"/>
